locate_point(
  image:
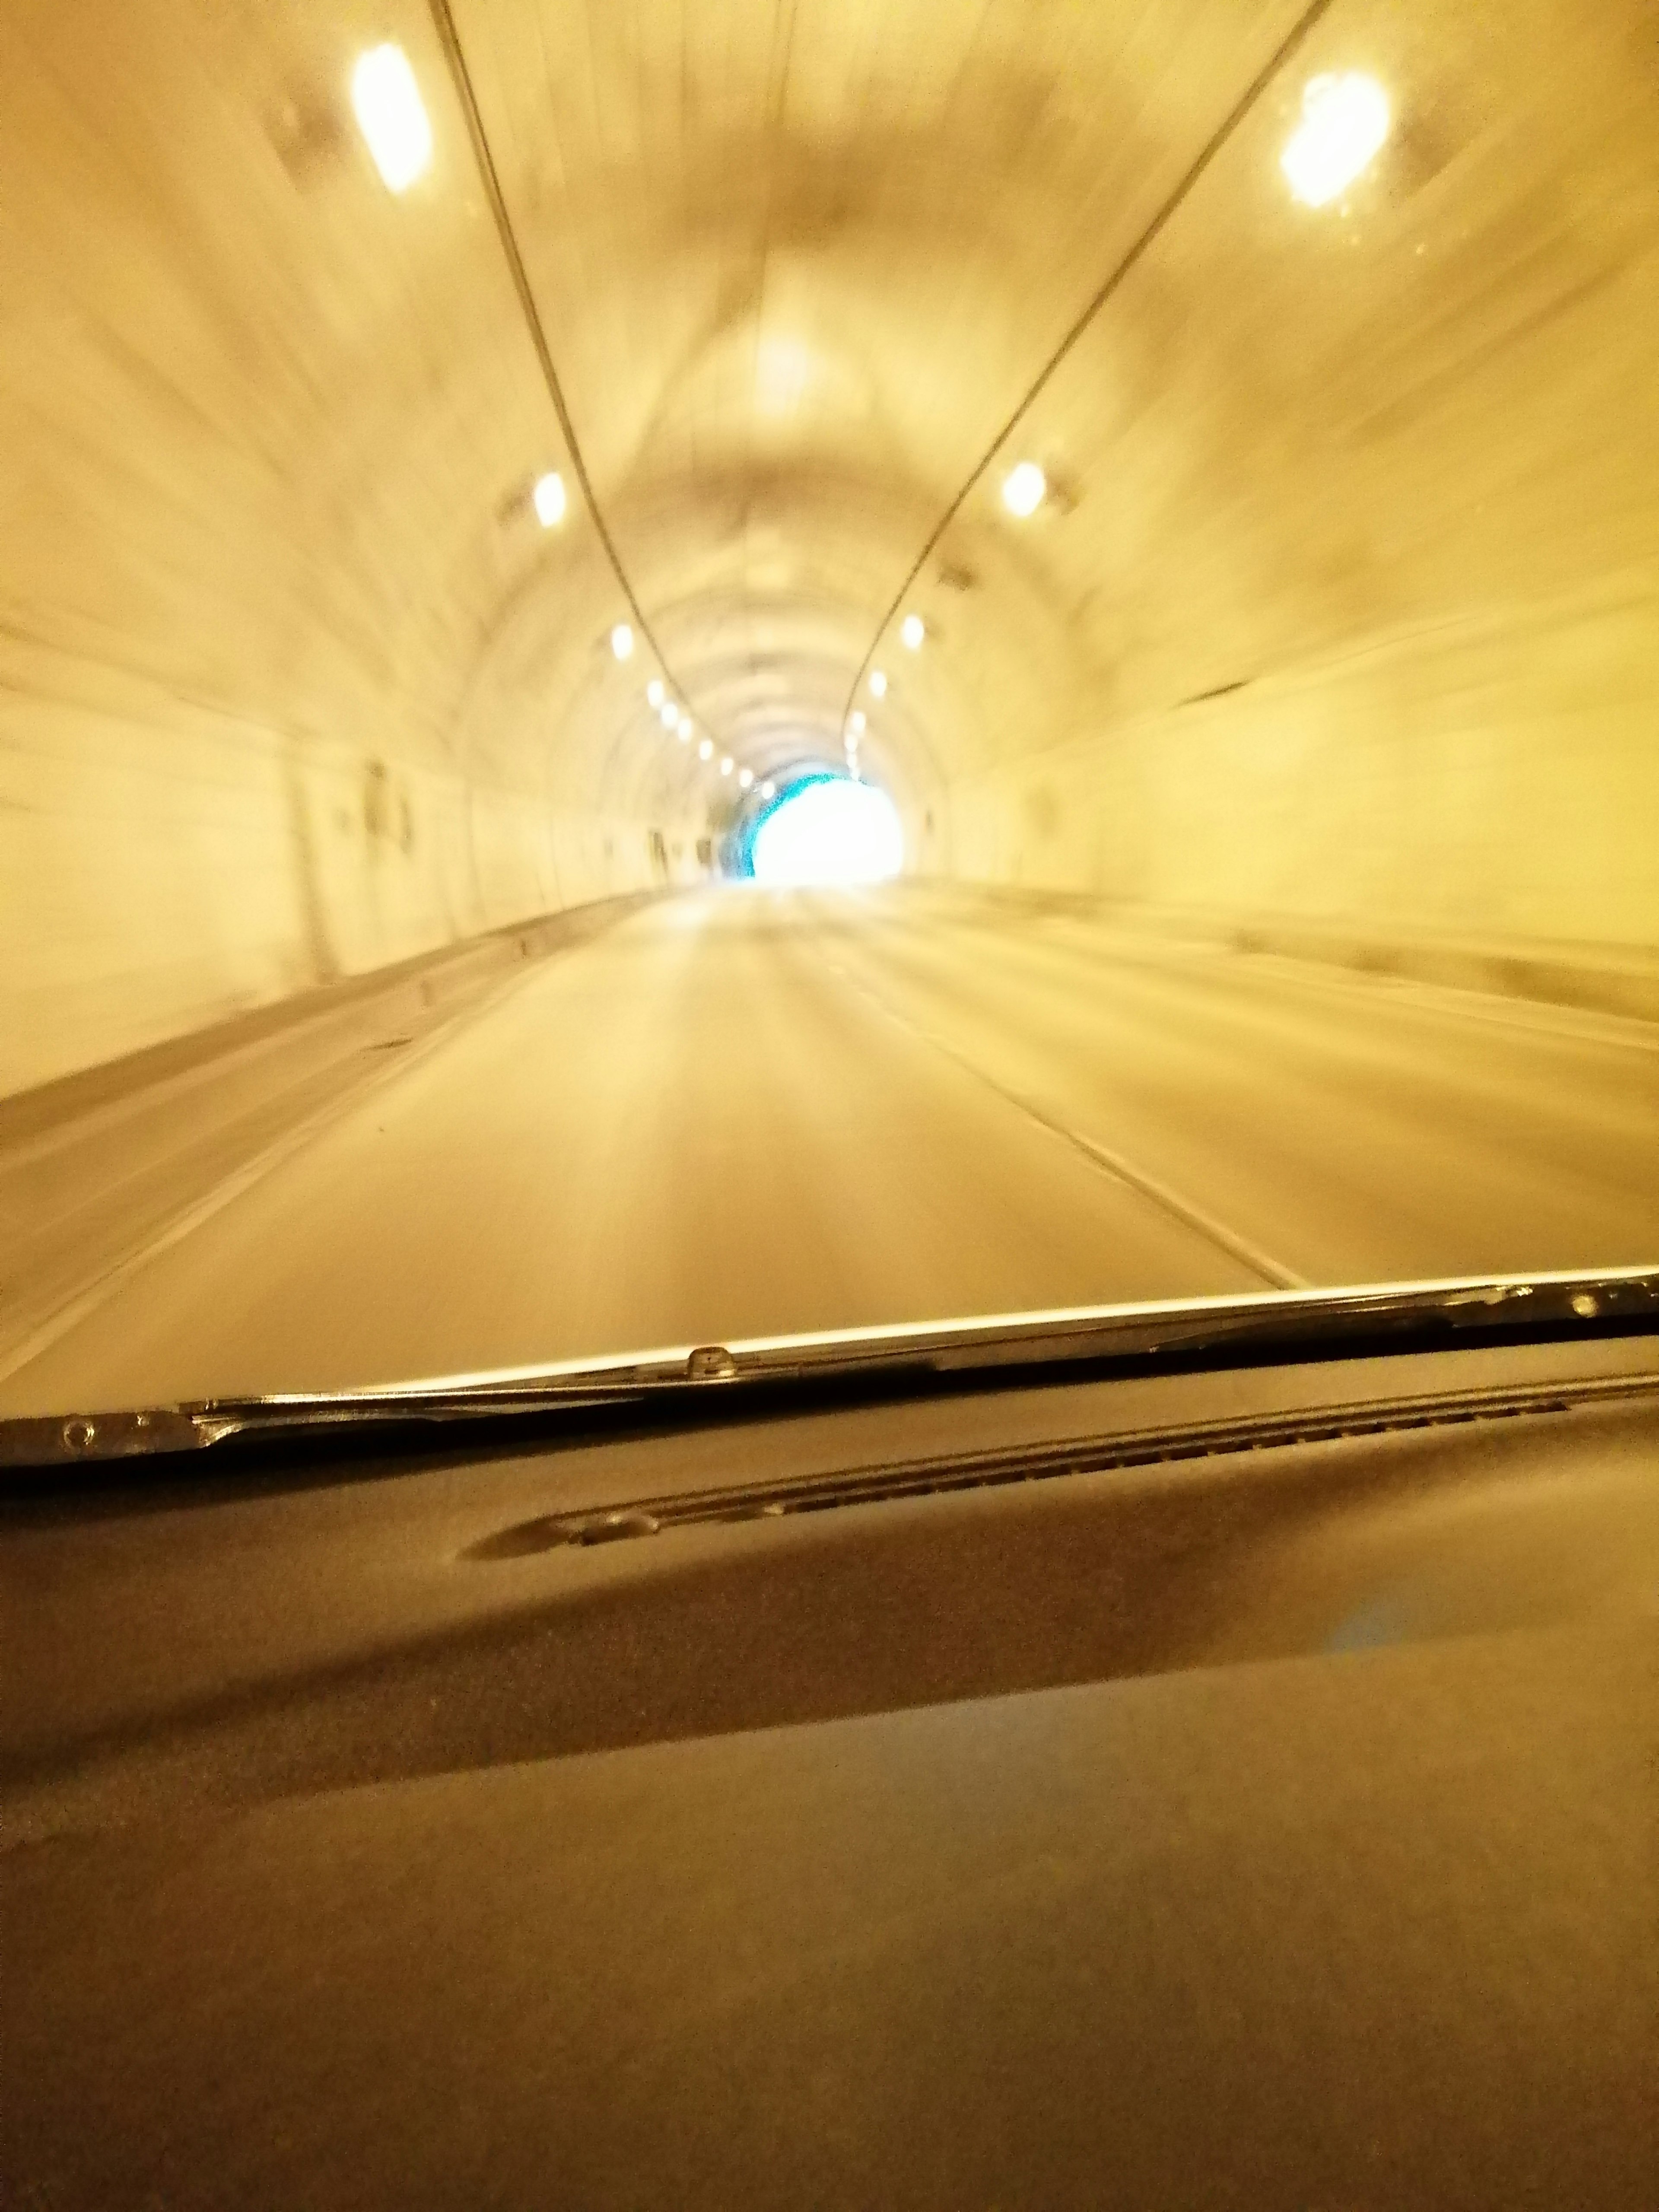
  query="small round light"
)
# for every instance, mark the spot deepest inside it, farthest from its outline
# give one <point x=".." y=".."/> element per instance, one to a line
<point x="547" y="496"/>
<point x="654" y="691"/>
<point x="726" y="764"/>
<point x="913" y="630"/>
<point x="746" y="777"/>
<point x="768" y="790"/>
<point x="1345" y="119"/>
<point x="668" y="713"/>
<point x="685" y="725"/>
<point x="878" y="684"/>
<point x="706" y="749"/>
<point x="391" y="115"/>
<point x="855" y="720"/>
<point x="622" y="642"/>
<point x="1025" y="489"/>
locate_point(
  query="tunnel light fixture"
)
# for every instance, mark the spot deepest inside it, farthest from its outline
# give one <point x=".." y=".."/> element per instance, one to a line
<point x="655" y="693"/>
<point x="1025" y="489"/>
<point x="913" y="630"/>
<point x="878" y="684"/>
<point x="726" y="764"/>
<point x="668" y="713"/>
<point x="706" y="749"/>
<point x="547" y="497"/>
<point x="682" y="729"/>
<point x="1345" y="119"/>
<point x="622" y="642"/>
<point x="391" y="115"/>
<point x="745" y="778"/>
<point x="855" y="723"/>
<point x="768" y="790"/>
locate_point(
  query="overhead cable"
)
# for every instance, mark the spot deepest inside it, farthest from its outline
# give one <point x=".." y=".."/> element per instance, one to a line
<point x="461" y="77"/>
<point x="1287" y="49"/>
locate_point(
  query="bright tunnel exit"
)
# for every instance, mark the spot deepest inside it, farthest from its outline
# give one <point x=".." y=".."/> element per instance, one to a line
<point x="829" y="831"/>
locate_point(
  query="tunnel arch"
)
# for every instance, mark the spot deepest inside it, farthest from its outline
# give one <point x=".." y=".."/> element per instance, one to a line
<point x="275" y="427"/>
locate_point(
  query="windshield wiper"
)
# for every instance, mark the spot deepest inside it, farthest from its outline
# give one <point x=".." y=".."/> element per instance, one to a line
<point x="1072" y="1344"/>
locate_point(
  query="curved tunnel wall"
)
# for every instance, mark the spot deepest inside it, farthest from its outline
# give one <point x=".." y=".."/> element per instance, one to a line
<point x="266" y="441"/>
<point x="1367" y="542"/>
<point x="1346" y="608"/>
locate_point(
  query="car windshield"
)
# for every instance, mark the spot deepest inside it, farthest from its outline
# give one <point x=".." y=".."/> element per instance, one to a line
<point x="680" y="673"/>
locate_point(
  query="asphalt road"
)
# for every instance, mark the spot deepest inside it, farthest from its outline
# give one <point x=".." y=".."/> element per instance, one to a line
<point x="743" y="1113"/>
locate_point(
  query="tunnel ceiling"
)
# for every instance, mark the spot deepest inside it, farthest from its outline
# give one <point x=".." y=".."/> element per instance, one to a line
<point x="796" y="266"/>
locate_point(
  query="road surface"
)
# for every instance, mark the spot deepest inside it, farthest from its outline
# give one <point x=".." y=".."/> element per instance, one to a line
<point x="742" y="1113"/>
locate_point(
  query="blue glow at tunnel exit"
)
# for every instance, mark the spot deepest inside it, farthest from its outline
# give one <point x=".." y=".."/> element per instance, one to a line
<point x="822" y="829"/>
<point x="740" y="853"/>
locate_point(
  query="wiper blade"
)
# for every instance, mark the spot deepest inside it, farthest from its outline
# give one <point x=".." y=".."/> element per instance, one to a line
<point x="1071" y="1344"/>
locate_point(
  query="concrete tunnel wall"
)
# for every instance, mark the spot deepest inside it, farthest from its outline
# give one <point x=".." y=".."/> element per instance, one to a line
<point x="1358" y="549"/>
<point x="1347" y="606"/>
<point x="264" y="496"/>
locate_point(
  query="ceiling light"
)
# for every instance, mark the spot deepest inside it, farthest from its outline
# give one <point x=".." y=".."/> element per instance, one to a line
<point x="768" y="790"/>
<point x="622" y="642"/>
<point x="548" y="494"/>
<point x="653" y="692"/>
<point x="855" y="720"/>
<point x="391" y="115"/>
<point x="686" y="725"/>
<point x="725" y="764"/>
<point x="706" y="749"/>
<point x="668" y="713"/>
<point x="913" y="630"/>
<point x="783" y="368"/>
<point x="1025" y="489"/>
<point x="878" y="684"/>
<point x="746" y="777"/>
<point x="1344" y="118"/>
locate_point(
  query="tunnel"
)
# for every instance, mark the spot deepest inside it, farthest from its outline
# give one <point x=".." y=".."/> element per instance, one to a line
<point x="463" y="463"/>
<point x="829" y="1105"/>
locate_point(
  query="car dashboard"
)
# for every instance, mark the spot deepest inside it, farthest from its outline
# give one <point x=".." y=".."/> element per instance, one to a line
<point x="1234" y="1788"/>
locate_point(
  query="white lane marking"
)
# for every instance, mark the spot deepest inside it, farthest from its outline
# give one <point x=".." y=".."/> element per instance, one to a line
<point x="1110" y="1163"/>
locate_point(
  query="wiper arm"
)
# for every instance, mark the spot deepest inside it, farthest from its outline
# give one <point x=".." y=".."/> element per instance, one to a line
<point x="1073" y="1344"/>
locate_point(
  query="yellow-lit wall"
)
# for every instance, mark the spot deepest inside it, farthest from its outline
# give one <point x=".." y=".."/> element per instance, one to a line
<point x="1361" y="549"/>
<point x="1346" y="605"/>
<point x="266" y="441"/>
<point x="1495" y="777"/>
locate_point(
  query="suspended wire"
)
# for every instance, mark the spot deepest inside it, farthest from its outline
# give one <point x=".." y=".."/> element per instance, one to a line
<point x="1283" y="53"/>
<point x="461" y="77"/>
